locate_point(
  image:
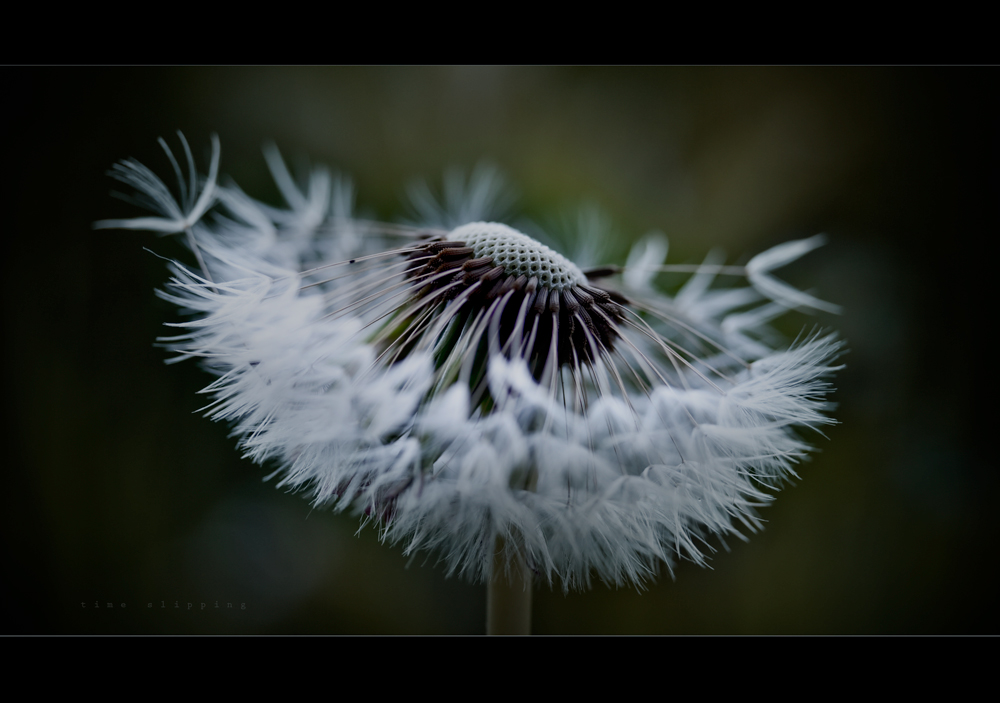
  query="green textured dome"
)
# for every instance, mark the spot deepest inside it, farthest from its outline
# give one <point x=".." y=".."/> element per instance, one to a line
<point x="519" y="254"/>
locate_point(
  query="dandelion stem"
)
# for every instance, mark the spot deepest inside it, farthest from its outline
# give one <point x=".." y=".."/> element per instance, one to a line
<point x="508" y="595"/>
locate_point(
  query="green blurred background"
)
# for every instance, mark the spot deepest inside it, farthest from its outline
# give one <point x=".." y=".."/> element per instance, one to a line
<point x="116" y="491"/>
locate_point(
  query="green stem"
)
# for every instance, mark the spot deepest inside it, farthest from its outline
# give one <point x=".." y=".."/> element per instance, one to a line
<point x="508" y="595"/>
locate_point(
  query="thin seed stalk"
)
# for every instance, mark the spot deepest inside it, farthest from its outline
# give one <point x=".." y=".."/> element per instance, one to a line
<point x="508" y="595"/>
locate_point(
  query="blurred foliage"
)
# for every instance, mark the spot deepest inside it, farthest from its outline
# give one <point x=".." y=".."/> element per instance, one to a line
<point x="117" y="491"/>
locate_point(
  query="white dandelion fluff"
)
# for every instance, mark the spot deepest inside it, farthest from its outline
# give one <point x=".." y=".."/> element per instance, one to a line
<point x="461" y="383"/>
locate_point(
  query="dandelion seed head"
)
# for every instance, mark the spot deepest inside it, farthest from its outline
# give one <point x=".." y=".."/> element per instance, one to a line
<point x="470" y="383"/>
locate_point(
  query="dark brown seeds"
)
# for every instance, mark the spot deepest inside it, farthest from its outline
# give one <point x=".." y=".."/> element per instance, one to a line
<point x="583" y="318"/>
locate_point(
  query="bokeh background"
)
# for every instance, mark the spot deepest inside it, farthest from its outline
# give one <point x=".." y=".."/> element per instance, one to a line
<point x="116" y="491"/>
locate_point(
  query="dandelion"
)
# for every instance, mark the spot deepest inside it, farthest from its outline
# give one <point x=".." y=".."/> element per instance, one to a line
<point x="480" y="396"/>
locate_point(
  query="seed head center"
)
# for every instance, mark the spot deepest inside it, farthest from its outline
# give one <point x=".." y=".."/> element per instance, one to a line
<point x="519" y="254"/>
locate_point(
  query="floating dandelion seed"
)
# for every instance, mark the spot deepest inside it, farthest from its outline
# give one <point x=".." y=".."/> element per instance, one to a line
<point x="466" y="383"/>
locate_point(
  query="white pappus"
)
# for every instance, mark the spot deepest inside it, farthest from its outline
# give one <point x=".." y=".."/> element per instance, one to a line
<point x="460" y="381"/>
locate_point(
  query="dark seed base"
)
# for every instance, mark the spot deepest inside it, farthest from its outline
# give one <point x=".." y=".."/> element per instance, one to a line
<point x="568" y="314"/>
